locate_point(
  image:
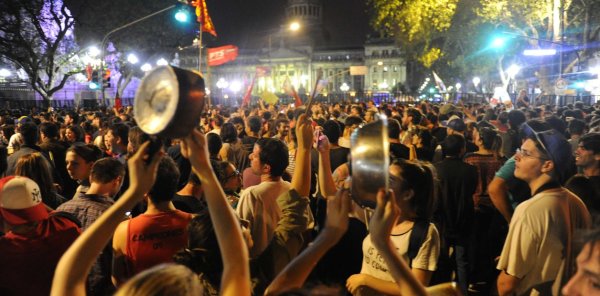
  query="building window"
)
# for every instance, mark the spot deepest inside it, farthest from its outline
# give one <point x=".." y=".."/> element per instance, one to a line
<point x="385" y="69"/>
<point x="374" y="69"/>
<point x="395" y="68"/>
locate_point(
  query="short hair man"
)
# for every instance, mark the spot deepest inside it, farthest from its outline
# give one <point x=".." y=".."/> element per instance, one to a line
<point x="106" y="179"/>
<point x="587" y="155"/>
<point x="35" y="240"/>
<point x="153" y="237"/>
<point x="257" y="204"/>
<point x="537" y="251"/>
<point x="29" y="133"/>
<point x="116" y="139"/>
<point x="283" y="129"/>
<point x="253" y="127"/>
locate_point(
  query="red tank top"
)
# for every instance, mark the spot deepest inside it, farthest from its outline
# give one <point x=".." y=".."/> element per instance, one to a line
<point x="153" y="239"/>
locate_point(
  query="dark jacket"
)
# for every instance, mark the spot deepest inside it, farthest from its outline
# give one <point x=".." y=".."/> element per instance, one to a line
<point x="458" y="182"/>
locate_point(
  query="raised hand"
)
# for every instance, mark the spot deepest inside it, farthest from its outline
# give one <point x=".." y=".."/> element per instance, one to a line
<point x="338" y="207"/>
<point x="304" y="132"/>
<point x="384" y="217"/>
<point x="195" y="148"/>
<point x="142" y="173"/>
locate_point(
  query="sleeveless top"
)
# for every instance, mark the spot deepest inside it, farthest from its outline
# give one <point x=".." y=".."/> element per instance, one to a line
<point x="154" y="239"/>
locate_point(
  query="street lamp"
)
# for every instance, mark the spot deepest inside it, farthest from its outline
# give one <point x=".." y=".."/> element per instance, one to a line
<point x="146" y="67"/>
<point x="105" y="40"/>
<point x="512" y="71"/>
<point x="4" y="73"/>
<point x="294" y="26"/>
<point x="132" y="59"/>
<point x="162" y="62"/>
<point x="476" y="81"/>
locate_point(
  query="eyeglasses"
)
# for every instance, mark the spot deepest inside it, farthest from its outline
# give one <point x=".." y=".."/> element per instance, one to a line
<point x="525" y="153"/>
<point x="539" y="140"/>
<point x="235" y="173"/>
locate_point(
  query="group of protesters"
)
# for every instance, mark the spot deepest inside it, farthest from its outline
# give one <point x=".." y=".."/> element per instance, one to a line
<point x="501" y="200"/>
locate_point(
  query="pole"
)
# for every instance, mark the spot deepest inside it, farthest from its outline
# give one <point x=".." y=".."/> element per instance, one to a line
<point x="105" y="39"/>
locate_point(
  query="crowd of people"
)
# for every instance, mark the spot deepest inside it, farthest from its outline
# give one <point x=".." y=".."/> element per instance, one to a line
<point x="257" y="200"/>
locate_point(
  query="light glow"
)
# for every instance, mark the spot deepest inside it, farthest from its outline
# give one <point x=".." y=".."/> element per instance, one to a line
<point x="539" y="52"/>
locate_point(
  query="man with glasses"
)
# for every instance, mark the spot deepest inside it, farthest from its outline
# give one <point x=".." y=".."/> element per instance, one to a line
<point x="537" y="252"/>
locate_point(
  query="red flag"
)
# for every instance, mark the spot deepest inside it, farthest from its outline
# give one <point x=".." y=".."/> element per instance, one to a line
<point x="291" y="91"/>
<point x="263" y="71"/>
<point x="248" y="94"/>
<point x="221" y="55"/>
<point x="89" y="71"/>
<point x="206" y="24"/>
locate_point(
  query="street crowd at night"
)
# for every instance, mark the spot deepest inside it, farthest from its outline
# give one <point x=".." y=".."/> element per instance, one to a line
<point x="257" y="199"/>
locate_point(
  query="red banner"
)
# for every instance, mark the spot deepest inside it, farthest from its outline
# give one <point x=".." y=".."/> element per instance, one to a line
<point x="221" y="55"/>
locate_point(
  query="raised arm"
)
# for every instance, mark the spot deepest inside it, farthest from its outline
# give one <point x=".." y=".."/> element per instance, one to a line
<point x="236" y="271"/>
<point x="74" y="266"/>
<point x="380" y="226"/>
<point x="304" y="133"/>
<point x="326" y="182"/>
<point x="294" y="275"/>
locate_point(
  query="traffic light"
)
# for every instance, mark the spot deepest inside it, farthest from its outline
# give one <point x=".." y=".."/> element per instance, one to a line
<point x="94" y="84"/>
<point x="106" y="78"/>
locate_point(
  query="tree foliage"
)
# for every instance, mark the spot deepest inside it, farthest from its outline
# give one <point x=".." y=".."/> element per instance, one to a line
<point x="451" y="36"/>
<point x="36" y="36"/>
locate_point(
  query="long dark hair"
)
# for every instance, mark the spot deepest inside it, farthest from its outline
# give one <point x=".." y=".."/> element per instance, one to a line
<point x="202" y="254"/>
<point x="419" y="177"/>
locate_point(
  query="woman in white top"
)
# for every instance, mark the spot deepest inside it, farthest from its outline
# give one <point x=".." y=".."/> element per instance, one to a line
<point x="413" y="185"/>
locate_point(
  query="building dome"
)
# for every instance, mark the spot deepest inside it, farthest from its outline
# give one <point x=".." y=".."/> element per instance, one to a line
<point x="307" y="11"/>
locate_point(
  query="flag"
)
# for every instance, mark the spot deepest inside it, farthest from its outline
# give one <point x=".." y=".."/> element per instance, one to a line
<point x="221" y="55"/>
<point x="291" y="91"/>
<point x="89" y="72"/>
<point x="263" y="71"/>
<point x="321" y="84"/>
<point x="438" y="81"/>
<point x="248" y="94"/>
<point x="206" y="24"/>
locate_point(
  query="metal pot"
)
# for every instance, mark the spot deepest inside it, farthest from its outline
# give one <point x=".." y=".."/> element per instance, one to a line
<point x="169" y="102"/>
<point x="370" y="152"/>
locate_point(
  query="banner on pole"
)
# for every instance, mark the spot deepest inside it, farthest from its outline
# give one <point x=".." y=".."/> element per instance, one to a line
<point x="221" y="55"/>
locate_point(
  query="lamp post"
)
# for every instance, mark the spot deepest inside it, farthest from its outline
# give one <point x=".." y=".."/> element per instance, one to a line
<point x="105" y="40"/>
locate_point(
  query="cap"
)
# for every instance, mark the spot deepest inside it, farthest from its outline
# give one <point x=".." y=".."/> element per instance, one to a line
<point x="21" y="201"/>
<point x="559" y="151"/>
<point x="457" y="125"/>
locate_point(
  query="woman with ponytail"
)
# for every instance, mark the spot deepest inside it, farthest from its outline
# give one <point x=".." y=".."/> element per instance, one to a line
<point x="414" y="235"/>
<point x="489" y="226"/>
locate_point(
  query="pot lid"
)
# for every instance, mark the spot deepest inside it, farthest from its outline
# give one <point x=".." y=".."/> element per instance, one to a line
<point x="156" y="100"/>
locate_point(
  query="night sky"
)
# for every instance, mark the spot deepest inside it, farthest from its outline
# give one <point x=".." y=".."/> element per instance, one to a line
<point x="345" y="21"/>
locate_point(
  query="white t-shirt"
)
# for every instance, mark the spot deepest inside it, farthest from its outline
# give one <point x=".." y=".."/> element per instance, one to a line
<point x="426" y="259"/>
<point x="258" y="204"/>
<point x="540" y="238"/>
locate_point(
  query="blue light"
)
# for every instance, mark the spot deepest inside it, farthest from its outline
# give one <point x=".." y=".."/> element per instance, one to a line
<point x="579" y="84"/>
<point x="93" y="85"/>
<point x="181" y="16"/>
<point x="498" y="42"/>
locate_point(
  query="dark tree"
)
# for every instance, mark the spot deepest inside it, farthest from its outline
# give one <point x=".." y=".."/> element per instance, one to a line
<point x="36" y="35"/>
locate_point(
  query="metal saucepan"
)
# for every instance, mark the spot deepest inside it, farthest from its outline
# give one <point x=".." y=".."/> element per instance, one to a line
<point x="370" y="154"/>
<point x="169" y="102"/>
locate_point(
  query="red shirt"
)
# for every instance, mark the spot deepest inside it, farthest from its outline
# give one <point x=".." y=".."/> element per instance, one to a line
<point x="154" y="239"/>
<point x="28" y="261"/>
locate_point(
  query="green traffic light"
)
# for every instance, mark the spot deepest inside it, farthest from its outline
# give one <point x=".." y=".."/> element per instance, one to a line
<point x="498" y="42"/>
<point x="181" y="16"/>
